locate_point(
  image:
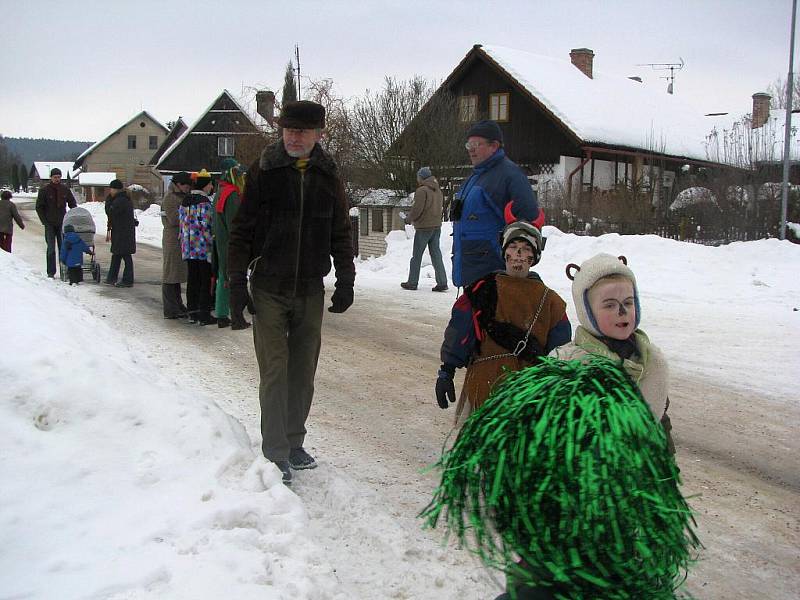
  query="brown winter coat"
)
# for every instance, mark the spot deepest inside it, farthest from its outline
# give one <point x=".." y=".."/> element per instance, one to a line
<point x="518" y="301"/>
<point x="52" y="202"/>
<point x="8" y="215"/>
<point x="426" y="213"/>
<point x="294" y="221"/>
<point x="173" y="265"/>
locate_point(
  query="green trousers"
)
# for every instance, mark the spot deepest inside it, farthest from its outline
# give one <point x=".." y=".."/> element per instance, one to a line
<point x="222" y="298"/>
<point x="287" y="339"/>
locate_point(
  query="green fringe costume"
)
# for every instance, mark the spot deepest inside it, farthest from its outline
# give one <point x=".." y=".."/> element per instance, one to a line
<point x="563" y="480"/>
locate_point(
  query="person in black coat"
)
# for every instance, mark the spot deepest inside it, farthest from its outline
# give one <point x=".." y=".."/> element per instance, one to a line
<point x="122" y="225"/>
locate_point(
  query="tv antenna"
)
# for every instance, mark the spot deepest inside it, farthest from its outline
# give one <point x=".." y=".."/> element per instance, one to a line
<point x="671" y="67"/>
<point x="297" y="62"/>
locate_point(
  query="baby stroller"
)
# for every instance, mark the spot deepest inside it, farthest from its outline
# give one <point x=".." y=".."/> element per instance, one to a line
<point x="81" y="219"/>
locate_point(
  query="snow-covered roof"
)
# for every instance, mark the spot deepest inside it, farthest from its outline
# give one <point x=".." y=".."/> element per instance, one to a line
<point x="94" y="146"/>
<point x="732" y="140"/>
<point x="607" y="109"/>
<point x="42" y="168"/>
<point x="98" y="178"/>
<point x="384" y="197"/>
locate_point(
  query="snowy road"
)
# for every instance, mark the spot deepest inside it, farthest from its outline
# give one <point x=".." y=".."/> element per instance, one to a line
<point x="374" y="426"/>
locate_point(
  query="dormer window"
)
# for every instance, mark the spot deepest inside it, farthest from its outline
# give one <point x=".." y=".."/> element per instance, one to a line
<point x="498" y="107"/>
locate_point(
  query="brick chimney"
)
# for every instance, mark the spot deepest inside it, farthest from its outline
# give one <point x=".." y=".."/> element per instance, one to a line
<point x="265" y="105"/>
<point x="583" y="59"/>
<point x="760" y="109"/>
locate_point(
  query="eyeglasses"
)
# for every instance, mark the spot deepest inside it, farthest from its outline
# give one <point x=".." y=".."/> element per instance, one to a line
<point x="474" y="145"/>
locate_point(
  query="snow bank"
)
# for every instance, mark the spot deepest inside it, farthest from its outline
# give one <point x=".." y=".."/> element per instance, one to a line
<point x="119" y="484"/>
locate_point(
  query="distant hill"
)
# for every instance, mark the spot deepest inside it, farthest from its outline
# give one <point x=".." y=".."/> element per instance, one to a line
<point x="30" y="150"/>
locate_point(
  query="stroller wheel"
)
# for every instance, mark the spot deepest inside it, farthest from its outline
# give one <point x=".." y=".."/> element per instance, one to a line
<point x="96" y="272"/>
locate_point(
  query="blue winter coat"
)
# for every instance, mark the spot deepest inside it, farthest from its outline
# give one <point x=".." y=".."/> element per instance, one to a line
<point x="72" y="249"/>
<point x="497" y="193"/>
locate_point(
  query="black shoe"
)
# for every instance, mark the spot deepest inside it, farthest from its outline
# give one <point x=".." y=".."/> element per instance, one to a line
<point x="286" y="472"/>
<point x="208" y="321"/>
<point x="223" y="322"/>
<point x="239" y="325"/>
<point x="408" y="286"/>
<point x="440" y="288"/>
<point x="299" y="459"/>
<point x="107" y="282"/>
<point x="123" y="284"/>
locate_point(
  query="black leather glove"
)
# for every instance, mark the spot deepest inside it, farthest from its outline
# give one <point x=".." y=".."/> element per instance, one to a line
<point x="509" y="336"/>
<point x="341" y="300"/>
<point x="445" y="388"/>
<point x="240" y="299"/>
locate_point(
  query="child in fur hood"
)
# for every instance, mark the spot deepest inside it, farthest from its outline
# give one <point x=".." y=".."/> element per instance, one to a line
<point x="607" y="303"/>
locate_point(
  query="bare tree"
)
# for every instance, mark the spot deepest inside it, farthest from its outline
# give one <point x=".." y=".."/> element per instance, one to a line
<point x="337" y="137"/>
<point x="777" y="89"/>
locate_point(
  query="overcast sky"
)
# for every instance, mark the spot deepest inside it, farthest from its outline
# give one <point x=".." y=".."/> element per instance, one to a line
<point x="78" y="70"/>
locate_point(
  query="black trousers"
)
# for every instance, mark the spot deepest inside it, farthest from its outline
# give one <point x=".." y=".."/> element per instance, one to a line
<point x="172" y="301"/>
<point x="113" y="268"/>
<point x="198" y="289"/>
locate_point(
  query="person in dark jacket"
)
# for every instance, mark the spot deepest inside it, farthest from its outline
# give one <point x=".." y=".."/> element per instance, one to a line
<point x="51" y="206"/>
<point x="497" y="193"/>
<point x="72" y="250"/>
<point x="226" y="205"/>
<point x="123" y="235"/>
<point x="8" y="216"/>
<point x="293" y="218"/>
<point x="196" y="219"/>
<point x="173" y="272"/>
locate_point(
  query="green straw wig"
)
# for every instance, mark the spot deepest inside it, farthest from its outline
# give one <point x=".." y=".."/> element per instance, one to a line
<point x="562" y="480"/>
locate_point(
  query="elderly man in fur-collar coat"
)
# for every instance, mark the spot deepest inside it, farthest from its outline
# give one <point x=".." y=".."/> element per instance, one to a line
<point x="293" y="218"/>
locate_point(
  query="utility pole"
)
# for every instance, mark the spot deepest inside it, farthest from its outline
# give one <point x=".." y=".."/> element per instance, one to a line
<point x="787" y="128"/>
<point x="671" y="67"/>
<point x="297" y="61"/>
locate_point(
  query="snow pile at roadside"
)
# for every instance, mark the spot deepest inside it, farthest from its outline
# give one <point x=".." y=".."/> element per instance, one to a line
<point x="119" y="484"/>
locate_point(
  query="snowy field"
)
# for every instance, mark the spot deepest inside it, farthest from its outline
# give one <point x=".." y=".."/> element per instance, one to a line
<point x="118" y="483"/>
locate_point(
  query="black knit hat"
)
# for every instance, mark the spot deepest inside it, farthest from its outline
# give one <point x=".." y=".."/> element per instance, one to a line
<point x="55" y="171"/>
<point x="486" y="129"/>
<point x="5" y="195"/>
<point x="302" y="114"/>
<point x="116" y="184"/>
<point x="182" y="178"/>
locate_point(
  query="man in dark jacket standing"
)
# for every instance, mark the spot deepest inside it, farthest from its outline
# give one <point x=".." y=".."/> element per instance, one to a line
<point x="293" y="217"/>
<point x="123" y="235"/>
<point x="51" y="206"/>
<point x="173" y="272"/>
<point x="496" y="194"/>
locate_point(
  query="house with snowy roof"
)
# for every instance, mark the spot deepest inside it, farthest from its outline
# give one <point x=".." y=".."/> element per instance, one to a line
<point x="40" y="171"/>
<point x="224" y="130"/>
<point x="126" y="151"/>
<point x="380" y="211"/>
<point x="577" y="131"/>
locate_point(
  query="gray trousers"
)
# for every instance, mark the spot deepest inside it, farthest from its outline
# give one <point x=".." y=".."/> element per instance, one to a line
<point x="427" y="238"/>
<point x="287" y="339"/>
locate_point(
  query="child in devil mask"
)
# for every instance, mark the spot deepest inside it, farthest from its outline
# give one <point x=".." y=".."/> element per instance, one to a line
<point x="607" y="303"/>
<point x="503" y="322"/>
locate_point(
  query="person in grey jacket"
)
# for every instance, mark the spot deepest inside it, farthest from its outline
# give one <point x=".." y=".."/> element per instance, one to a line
<point x="173" y="272"/>
<point x="8" y="216"/>
<point x="426" y="216"/>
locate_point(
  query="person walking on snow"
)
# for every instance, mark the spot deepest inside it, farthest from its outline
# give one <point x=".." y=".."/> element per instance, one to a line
<point x="196" y="246"/>
<point x="292" y="220"/>
<point x="426" y="217"/>
<point x="226" y="204"/>
<point x="173" y="268"/>
<point x="8" y="216"/>
<point x="51" y="206"/>
<point x="497" y="193"/>
<point x="123" y="235"/>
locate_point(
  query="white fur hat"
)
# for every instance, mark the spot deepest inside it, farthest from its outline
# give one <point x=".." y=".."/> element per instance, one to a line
<point x="590" y="272"/>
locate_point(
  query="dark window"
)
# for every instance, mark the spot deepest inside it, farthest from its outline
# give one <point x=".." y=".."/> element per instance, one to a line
<point x="153" y="142"/>
<point x="363" y="221"/>
<point x="377" y="219"/>
<point x="225" y="146"/>
<point x="131" y="142"/>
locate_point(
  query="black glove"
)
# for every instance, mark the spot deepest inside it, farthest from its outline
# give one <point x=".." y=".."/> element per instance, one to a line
<point x="341" y="300"/>
<point x="445" y="388"/>
<point x="239" y="299"/>
<point x="509" y="336"/>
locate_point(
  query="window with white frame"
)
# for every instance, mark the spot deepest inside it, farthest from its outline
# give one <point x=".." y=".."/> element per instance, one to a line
<point x="468" y="109"/>
<point x="498" y="107"/>
<point x="225" y="146"/>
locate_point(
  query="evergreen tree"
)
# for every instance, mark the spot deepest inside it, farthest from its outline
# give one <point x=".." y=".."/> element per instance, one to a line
<point x="289" y="93"/>
<point x="14" y="177"/>
<point x="23" y="177"/>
